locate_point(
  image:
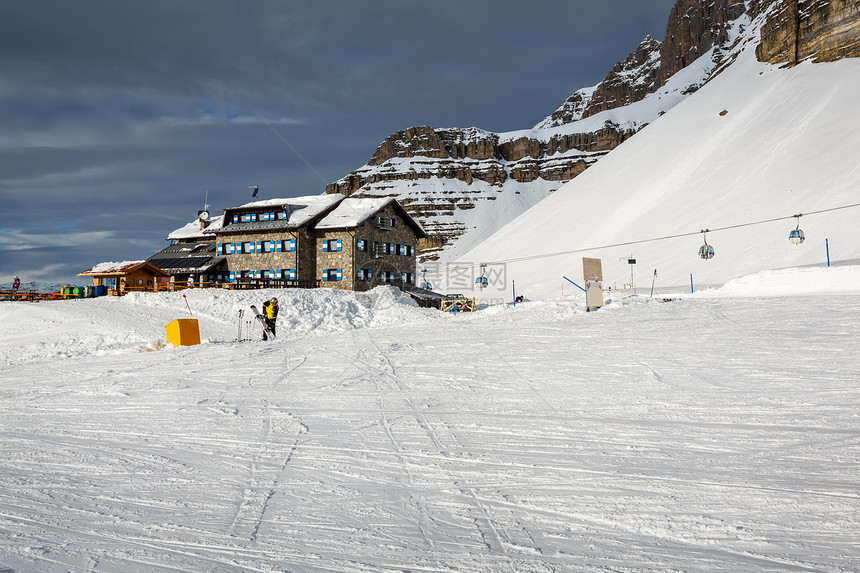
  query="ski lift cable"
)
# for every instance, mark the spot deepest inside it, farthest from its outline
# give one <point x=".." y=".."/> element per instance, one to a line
<point x="666" y="237"/>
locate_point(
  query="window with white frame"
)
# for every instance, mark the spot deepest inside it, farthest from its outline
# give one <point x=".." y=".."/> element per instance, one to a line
<point x="332" y="275"/>
<point x="332" y="245"/>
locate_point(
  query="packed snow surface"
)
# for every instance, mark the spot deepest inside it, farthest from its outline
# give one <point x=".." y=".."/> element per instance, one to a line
<point x="717" y="431"/>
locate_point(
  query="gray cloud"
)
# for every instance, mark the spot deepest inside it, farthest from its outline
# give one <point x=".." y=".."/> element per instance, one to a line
<point x="117" y="117"/>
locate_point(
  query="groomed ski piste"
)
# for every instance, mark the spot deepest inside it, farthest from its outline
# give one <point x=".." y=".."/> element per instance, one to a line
<point x="713" y="431"/>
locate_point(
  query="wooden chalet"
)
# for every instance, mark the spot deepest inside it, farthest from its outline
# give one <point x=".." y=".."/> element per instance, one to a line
<point x="126" y="276"/>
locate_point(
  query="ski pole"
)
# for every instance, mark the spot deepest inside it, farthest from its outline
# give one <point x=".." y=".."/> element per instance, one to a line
<point x="188" y="305"/>
<point x="652" y="283"/>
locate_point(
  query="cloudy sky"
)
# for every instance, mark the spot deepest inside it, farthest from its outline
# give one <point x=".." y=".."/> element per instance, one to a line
<point x="116" y="118"/>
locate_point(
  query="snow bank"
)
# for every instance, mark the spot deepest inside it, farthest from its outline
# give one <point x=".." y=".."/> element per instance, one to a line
<point x="135" y="322"/>
<point x="807" y="281"/>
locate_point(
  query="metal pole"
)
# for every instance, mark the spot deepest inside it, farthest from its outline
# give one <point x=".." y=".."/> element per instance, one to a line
<point x="652" y="283"/>
<point x="691" y="283"/>
<point x="573" y="283"/>
<point x="514" y="287"/>
<point x="827" y="246"/>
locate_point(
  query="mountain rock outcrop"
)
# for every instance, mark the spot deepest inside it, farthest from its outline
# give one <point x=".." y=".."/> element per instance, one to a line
<point x="822" y="30"/>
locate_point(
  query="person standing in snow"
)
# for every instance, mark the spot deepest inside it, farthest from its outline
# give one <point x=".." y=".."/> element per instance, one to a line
<point x="270" y="312"/>
<point x="16" y="282"/>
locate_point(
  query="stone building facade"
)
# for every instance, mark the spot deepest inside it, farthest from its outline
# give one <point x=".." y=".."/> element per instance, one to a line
<point x="327" y="240"/>
<point x="377" y="245"/>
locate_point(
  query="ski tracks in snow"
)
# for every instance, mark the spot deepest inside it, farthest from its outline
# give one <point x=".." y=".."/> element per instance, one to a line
<point x="495" y="535"/>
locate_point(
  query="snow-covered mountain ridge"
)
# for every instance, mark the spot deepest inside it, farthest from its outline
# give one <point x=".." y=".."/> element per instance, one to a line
<point x="464" y="183"/>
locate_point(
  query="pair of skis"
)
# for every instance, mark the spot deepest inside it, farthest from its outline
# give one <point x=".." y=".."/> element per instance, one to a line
<point x="262" y="320"/>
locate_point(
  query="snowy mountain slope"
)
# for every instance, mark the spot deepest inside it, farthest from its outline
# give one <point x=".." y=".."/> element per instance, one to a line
<point x="756" y="143"/>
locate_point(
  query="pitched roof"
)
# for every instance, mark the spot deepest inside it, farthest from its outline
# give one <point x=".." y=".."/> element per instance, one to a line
<point x="121" y="268"/>
<point x="353" y="211"/>
<point x="193" y="231"/>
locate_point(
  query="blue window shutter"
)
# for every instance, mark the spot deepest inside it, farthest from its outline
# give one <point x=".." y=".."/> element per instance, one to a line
<point x="325" y="274"/>
<point x="271" y="246"/>
<point x="359" y="245"/>
<point x="292" y="244"/>
<point x="259" y="246"/>
<point x="339" y="245"/>
<point x="325" y="246"/>
<point x="369" y="276"/>
<point x="359" y="274"/>
<point x="220" y="248"/>
<point x="339" y="274"/>
<point x="403" y="278"/>
<point x="292" y="274"/>
<point x="232" y="276"/>
<point x="279" y="246"/>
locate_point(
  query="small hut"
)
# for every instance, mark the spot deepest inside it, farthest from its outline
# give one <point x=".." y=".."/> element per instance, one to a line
<point x="126" y="276"/>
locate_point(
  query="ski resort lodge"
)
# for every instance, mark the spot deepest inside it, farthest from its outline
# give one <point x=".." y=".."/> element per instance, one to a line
<point x="323" y="240"/>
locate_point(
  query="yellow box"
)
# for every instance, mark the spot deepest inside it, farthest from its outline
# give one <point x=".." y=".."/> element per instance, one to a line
<point x="183" y="332"/>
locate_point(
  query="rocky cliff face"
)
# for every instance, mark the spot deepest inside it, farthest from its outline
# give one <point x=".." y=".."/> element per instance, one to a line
<point x="821" y="30"/>
<point x="461" y="184"/>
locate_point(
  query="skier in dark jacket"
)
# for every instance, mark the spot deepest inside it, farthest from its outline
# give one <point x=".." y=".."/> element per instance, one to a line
<point x="16" y="282"/>
<point x="270" y="312"/>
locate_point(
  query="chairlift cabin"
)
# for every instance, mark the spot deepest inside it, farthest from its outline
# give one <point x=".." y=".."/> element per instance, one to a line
<point x="425" y="284"/>
<point x="796" y="236"/>
<point x="482" y="281"/>
<point x="706" y="251"/>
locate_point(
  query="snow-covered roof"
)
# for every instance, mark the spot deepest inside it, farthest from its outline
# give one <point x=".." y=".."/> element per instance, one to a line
<point x="301" y="209"/>
<point x="353" y="211"/>
<point x="117" y="268"/>
<point x="193" y="231"/>
<point x="300" y="212"/>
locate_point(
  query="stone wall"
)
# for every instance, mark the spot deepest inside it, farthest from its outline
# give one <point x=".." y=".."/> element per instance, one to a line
<point x="307" y="256"/>
<point x="258" y="261"/>
<point x="349" y="259"/>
